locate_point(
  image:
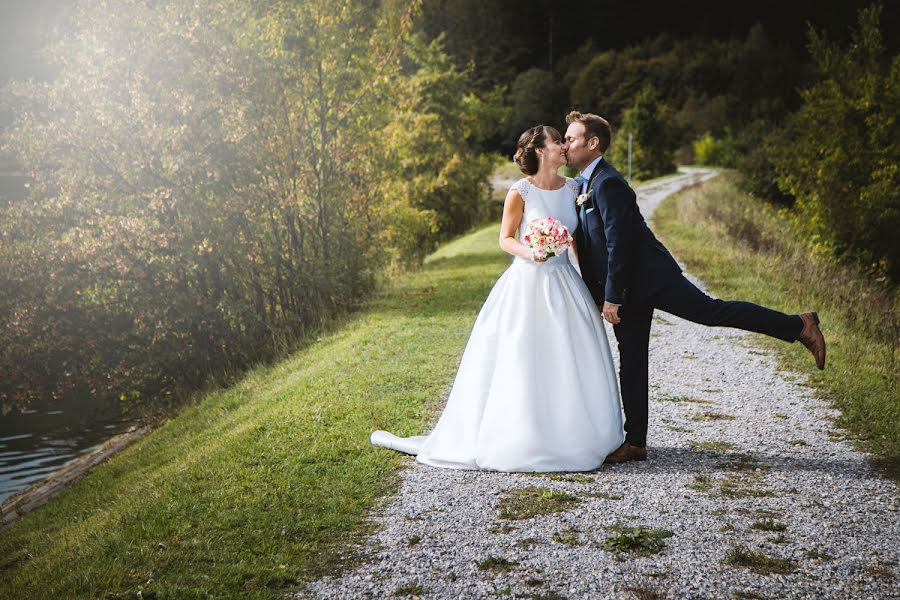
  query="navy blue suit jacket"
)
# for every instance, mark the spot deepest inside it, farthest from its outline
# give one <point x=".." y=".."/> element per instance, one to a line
<point x="621" y="260"/>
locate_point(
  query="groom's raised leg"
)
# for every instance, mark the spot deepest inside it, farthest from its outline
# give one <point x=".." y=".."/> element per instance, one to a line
<point x="683" y="299"/>
<point x="633" y="336"/>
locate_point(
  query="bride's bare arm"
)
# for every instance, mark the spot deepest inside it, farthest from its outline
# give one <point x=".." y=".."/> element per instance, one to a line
<point x="513" y="210"/>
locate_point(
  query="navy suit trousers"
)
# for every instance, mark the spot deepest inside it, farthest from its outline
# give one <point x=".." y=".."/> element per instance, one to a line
<point x="683" y="299"/>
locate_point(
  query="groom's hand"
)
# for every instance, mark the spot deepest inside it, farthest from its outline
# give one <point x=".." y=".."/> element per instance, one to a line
<point x="611" y="312"/>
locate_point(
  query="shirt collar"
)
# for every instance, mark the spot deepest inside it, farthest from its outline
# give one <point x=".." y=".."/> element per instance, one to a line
<point x="589" y="170"/>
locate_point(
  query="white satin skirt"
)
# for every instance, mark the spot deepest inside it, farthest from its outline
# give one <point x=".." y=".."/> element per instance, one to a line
<point x="536" y="387"/>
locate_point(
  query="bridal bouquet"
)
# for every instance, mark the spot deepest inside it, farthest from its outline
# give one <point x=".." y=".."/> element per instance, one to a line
<point x="547" y="237"/>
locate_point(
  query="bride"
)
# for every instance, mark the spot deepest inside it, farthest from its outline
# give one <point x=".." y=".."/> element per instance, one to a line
<point x="536" y="388"/>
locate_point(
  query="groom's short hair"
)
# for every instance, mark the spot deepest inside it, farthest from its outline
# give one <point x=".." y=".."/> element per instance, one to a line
<point x="594" y="126"/>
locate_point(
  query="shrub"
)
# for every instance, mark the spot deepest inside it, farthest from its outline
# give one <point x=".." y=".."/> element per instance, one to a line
<point x="841" y="156"/>
<point x="721" y="152"/>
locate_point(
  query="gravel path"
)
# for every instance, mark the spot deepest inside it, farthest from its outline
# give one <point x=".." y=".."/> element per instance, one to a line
<point x="741" y="455"/>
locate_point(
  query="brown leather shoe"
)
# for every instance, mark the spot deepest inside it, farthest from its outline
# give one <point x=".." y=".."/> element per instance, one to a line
<point x="811" y="337"/>
<point x="626" y="452"/>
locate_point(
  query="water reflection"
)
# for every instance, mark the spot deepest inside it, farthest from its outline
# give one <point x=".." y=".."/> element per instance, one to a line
<point x="41" y="440"/>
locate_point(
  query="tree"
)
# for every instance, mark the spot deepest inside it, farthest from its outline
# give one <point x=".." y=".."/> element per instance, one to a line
<point x="654" y="137"/>
<point x="206" y="188"/>
<point x="535" y="98"/>
<point x="841" y="154"/>
<point x="434" y="147"/>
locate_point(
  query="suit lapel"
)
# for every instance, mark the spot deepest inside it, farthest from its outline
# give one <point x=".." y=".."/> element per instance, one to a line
<point x="598" y="168"/>
<point x="601" y="166"/>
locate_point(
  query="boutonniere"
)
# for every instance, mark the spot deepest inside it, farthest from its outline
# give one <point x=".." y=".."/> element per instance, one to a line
<point x="582" y="199"/>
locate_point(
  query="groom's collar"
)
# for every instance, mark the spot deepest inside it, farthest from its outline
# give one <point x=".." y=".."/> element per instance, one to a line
<point x="589" y="170"/>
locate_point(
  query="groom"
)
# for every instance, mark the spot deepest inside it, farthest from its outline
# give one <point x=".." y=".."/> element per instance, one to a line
<point x="630" y="273"/>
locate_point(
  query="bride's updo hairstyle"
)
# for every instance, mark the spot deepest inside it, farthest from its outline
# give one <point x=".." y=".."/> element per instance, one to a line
<point x="536" y="137"/>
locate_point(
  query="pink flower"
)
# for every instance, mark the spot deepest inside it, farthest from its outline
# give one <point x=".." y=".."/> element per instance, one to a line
<point x="547" y="237"/>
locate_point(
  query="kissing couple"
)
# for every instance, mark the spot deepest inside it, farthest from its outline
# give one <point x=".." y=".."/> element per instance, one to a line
<point x="536" y="387"/>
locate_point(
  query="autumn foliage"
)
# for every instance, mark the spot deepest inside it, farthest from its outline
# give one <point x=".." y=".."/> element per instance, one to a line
<point x="211" y="180"/>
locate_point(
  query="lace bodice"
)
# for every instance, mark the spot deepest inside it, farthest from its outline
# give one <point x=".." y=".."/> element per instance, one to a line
<point x="540" y="203"/>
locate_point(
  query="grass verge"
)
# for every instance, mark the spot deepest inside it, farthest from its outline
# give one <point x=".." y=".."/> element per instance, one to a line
<point x="254" y="489"/>
<point x="742" y="248"/>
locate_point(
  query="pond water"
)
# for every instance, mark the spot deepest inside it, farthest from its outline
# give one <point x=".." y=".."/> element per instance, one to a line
<point x="44" y="438"/>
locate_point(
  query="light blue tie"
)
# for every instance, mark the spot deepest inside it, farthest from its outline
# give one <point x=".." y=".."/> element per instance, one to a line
<point x="580" y="181"/>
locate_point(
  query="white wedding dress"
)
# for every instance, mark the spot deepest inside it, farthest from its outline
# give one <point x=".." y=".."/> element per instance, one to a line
<point x="536" y="388"/>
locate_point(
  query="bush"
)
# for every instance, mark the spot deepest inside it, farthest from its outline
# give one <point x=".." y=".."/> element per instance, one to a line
<point x="722" y="152"/>
<point x="758" y="175"/>
<point x="840" y="158"/>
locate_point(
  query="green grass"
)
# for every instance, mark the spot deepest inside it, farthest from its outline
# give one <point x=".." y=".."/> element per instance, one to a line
<point x="551" y="595"/>
<point x="880" y="569"/>
<point x="252" y="490"/>
<point x="525" y="503"/>
<point x="569" y="478"/>
<point x="741" y="461"/>
<point x="713" y="446"/>
<point x="496" y="563"/>
<point x="701" y="483"/>
<point x="684" y="399"/>
<point x="741" y="556"/>
<point x="605" y="496"/>
<point x="743" y="487"/>
<point x="743" y="249"/>
<point x="816" y="554"/>
<point x="636" y="540"/>
<point x="712" y="416"/>
<point x="768" y="525"/>
<point x="568" y="537"/>
<point x="410" y="589"/>
<point x="731" y="487"/>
